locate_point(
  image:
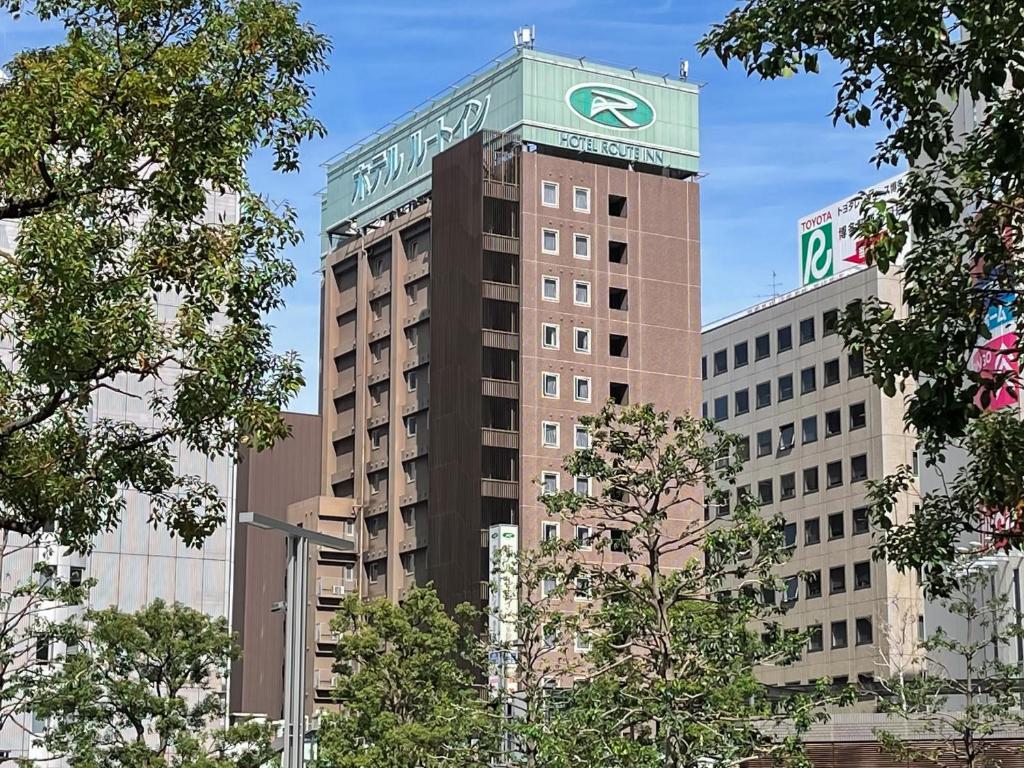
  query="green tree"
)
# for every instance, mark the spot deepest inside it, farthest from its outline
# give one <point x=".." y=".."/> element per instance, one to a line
<point x="677" y="600"/>
<point x="942" y="82"/>
<point x="138" y="691"/>
<point x="408" y="687"/>
<point x="110" y="144"/>
<point x="960" y="695"/>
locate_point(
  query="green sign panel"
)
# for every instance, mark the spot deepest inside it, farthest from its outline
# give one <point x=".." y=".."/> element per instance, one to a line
<point x="817" y="258"/>
<point x="552" y="100"/>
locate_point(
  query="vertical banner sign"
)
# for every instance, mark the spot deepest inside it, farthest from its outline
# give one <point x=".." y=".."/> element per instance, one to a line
<point x="996" y="356"/>
<point x="827" y="240"/>
<point x="503" y="605"/>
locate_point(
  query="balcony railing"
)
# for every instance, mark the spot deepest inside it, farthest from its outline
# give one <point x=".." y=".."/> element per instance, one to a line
<point x="500" y="291"/>
<point x="499" y="489"/>
<point x="499" y="388"/>
<point x="500" y="438"/>
<point x="500" y="339"/>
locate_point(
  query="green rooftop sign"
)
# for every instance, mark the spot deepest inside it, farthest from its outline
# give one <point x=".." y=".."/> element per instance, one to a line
<point x="551" y="100"/>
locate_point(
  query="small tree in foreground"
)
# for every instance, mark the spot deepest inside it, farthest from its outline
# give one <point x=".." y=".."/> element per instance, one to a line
<point x="138" y="691"/>
<point x="963" y="694"/>
<point x="677" y="599"/>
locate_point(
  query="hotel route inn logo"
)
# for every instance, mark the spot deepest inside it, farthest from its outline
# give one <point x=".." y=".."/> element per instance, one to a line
<point x="610" y="106"/>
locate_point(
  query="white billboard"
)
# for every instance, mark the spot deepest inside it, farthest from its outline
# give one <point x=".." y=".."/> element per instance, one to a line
<point x="503" y="605"/>
<point x="827" y="241"/>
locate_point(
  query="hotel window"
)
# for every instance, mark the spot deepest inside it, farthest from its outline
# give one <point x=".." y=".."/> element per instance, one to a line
<point x="721" y="408"/>
<point x="784" y="338"/>
<point x="549" y="291"/>
<point x="349" y="572"/>
<point x="411" y="381"/>
<point x="762" y="347"/>
<point x="791" y="591"/>
<point x="581" y="340"/>
<point x="583" y="486"/>
<point x="549" y="432"/>
<point x="815" y="642"/>
<point x="549" y="482"/>
<point x="411" y="336"/>
<point x="548" y="531"/>
<point x="410" y="426"/>
<point x="704" y="368"/>
<point x="548" y="586"/>
<point x="375" y="438"/>
<point x="833" y="423"/>
<point x="858" y="417"/>
<point x="854" y="365"/>
<point x="785" y="387"/>
<point x="830" y="372"/>
<point x="739" y="355"/>
<point x="809" y="429"/>
<point x="549" y="194"/>
<point x="581" y="437"/>
<point x="720" y="362"/>
<point x="808" y="381"/>
<point x="549" y="241"/>
<point x="813" y="582"/>
<point x="865" y="635"/>
<point x="583" y="535"/>
<point x="374" y="572"/>
<point x="581" y="246"/>
<point x="789" y="536"/>
<point x="862" y="575"/>
<point x="787" y="490"/>
<point x="812" y="532"/>
<point x="549" y="384"/>
<point x="581" y="199"/>
<point x="839" y="634"/>
<point x="763" y="394"/>
<point x="581" y="293"/>
<point x="581" y="389"/>
<point x="581" y="644"/>
<point x="742" y="401"/>
<point x="810" y="480"/>
<point x="836" y="526"/>
<point x="743" y="448"/>
<point x="765" y="493"/>
<point x="787" y="437"/>
<point x="861" y="522"/>
<point x="858" y="468"/>
<point x="837" y="580"/>
<point x="549" y="339"/>
<point x="829" y="322"/>
<point x="807" y="330"/>
<point x="582" y="589"/>
<point x="764" y="443"/>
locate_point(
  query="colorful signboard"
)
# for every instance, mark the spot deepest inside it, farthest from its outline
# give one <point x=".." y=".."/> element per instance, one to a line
<point x="827" y="239"/>
<point x="551" y="100"/>
<point x="995" y="354"/>
<point x="503" y="605"/>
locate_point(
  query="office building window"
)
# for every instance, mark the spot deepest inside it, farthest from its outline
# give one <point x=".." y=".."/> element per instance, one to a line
<point x="549" y="482"/>
<point x="743" y="448"/>
<point x="787" y="490"/>
<point x="581" y="389"/>
<point x="855" y="365"/>
<point x="581" y="293"/>
<point x="549" y="241"/>
<point x="581" y="437"/>
<point x="549" y="339"/>
<point x="581" y="643"/>
<point x="791" y="589"/>
<point x="807" y="330"/>
<point x="830" y="372"/>
<point x="862" y="575"/>
<point x="548" y="586"/>
<point x="581" y="246"/>
<point x="812" y="532"/>
<point x="549" y="194"/>
<point x="549" y="432"/>
<point x="582" y="589"/>
<point x="549" y="288"/>
<point x="861" y="523"/>
<point x="762" y="347"/>
<point x="839" y="635"/>
<point x="619" y="540"/>
<point x="764" y="492"/>
<point x="583" y="486"/>
<point x="837" y="580"/>
<point x="704" y="368"/>
<point x="865" y="635"/>
<point x="784" y="338"/>
<point x="410" y="426"/>
<point x="549" y="384"/>
<point x="785" y="387"/>
<point x="787" y="437"/>
<point x="76" y="576"/>
<point x="858" y="468"/>
<point x="833" y="423"/>
<point x="581" y="340"/>
<point x="812" y="580"/>
<point x="411" y="381"/>
<point x="815" y="642"/>
<point x="835" y="526"/>
<point x="810" y="480"/>
<point x="739" y="355"/>
<point x="720" y="362"/>
<point x="858" y="416"/>
<point x="742" y="401"/>
<point x="808" y="382"/>
<point x="721" y="408"/>
<point x="764" y="443"/>
<point x="583" y="537"/>
<point x="581" y="199"/>
<point x="789" y="535"/>
<point x="809" y="429"/>
<point x="763" y="394"/>
<point x="830" y="322"/>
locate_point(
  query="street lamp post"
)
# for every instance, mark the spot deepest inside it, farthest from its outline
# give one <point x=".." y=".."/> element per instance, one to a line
<point x="299" y="540"/>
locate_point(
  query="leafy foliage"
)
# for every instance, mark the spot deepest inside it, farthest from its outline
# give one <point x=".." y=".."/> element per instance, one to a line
<point x="139" y="690"/>
<point x="407" y="686"/>
<point x="112" y="145"/>
<point x="960" y="695"/>
<point x="945" y="83"/>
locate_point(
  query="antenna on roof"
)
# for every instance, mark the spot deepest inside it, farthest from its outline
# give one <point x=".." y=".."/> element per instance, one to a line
<point x="525" y="36"/>
<point x="776" y="285"/>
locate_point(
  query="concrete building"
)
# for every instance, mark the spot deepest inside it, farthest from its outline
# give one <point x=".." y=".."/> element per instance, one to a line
<point x="496" y="266"/>
<point x="815" y="430"/>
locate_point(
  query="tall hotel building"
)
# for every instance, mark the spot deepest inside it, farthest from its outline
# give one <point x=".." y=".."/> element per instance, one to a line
<point x="496" y="266"/>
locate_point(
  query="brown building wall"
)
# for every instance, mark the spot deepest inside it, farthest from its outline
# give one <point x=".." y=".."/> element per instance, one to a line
<point x="868" y="754"/>
<point x="267" y="483"/>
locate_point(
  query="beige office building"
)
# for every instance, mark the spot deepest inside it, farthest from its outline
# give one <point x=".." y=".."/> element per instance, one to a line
<point x="817" y="429"/>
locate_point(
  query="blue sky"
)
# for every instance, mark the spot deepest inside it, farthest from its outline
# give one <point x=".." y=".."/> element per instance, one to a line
<point x="769" y="150"/>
